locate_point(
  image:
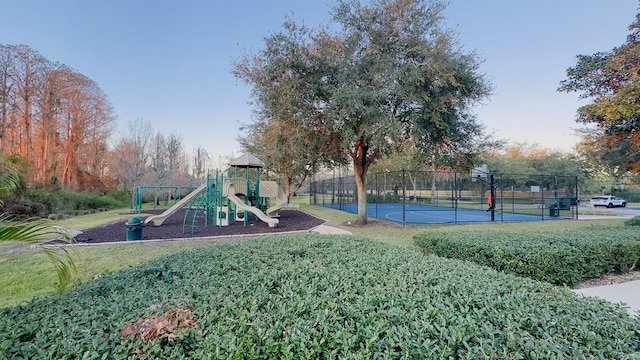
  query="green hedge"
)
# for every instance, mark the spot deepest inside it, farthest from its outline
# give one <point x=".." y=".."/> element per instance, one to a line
<point x="635" y="221"/>
<point x="558" y="257"/>
<point x="67" y="202"/>
<point x="318" y="297"/>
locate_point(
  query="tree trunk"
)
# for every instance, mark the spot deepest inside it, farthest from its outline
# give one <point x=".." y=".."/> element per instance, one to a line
<point x="4" y="111"/>
<point x="360" y="167"/>
<point x="287" y="185"/>
<point x="362" y="195"/>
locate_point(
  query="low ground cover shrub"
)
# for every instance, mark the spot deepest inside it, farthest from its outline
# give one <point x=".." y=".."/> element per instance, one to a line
<point x="560" y="257"/>
<point x="635" y="221"/>
<point x="43" y="202"/>
<point x="314" y="296"/>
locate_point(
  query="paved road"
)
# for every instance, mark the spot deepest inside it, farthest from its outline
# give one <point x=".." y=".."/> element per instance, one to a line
<point x="626" y="212"/>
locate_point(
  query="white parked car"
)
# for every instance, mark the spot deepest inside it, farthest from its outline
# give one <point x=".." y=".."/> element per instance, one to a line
<point x="608" y="201"/>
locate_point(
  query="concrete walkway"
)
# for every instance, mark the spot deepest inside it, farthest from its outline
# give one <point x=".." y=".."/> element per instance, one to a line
<point x="628" y="293"/>
<point x="326" y="229"/>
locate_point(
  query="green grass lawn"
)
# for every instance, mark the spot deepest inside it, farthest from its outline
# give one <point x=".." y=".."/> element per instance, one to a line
<point x="403" y="236"/>
<point x="26" y="273"/>
<point x="97" y="219"/>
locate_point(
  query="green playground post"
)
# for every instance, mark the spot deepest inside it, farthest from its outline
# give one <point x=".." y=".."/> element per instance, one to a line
<point x="138" y="200"/>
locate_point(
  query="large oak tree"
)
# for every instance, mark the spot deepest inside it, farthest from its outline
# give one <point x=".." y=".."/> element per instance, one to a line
<point x="391" y="73"/>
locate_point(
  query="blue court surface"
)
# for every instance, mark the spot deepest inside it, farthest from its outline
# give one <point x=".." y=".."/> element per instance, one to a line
<point x="422" y="215"/>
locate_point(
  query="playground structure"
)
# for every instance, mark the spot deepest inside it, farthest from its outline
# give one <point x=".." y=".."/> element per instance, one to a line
<point x="234" y="195"/>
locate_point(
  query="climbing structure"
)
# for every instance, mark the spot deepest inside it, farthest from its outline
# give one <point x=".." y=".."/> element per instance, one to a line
<point x="235" y="195"/>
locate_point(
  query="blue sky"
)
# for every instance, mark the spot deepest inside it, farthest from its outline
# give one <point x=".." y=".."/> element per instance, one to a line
<point x="169" y="62"/>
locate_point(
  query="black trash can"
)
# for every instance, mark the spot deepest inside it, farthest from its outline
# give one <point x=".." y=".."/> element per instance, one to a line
<point x="554" y="210"/>
<point x="134" y="228"/>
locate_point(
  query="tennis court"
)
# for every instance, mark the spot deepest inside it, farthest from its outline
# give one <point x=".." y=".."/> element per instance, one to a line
<point x="414" y="214"/>
<point x="413" y="197"/>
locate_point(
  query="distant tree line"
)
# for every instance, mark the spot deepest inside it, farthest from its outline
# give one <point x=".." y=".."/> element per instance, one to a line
<point x="142" y="157"/>
<point x="56" y="125"/>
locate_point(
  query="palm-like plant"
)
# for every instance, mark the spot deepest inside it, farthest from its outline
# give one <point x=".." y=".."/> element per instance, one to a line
<point x="34" y="230"/>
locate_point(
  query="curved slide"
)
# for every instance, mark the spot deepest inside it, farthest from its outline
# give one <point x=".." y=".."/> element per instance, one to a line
<point x="159" y="219"/>
<point x="281" y="201"/>
<point x="252" y="209"/>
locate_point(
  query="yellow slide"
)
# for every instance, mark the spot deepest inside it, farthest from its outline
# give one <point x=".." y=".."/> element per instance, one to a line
<point x="244" y="207"/>
<point x="159" y="219"/>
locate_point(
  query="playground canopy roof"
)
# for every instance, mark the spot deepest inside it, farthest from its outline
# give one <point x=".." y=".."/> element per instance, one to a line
<point x="247" y="160"/>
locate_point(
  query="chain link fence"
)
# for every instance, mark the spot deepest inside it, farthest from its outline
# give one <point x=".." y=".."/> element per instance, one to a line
<point x="421" y="197"/>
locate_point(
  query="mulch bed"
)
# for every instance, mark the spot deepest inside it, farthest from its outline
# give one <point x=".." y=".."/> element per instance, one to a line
<point x="290" y="220"/>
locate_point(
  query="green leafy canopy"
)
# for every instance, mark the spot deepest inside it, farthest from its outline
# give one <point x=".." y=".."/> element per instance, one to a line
<point x="388" y="73"/>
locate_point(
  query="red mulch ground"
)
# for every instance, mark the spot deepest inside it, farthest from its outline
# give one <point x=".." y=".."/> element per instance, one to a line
<point x="290" y="220"/>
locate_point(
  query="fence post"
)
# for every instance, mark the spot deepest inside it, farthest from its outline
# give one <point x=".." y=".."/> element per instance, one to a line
<point x="404" y="198"/>
<point x="377" y="195"/>
<point x="544" y="204"/>
<point x="577" y="200"/>
<point x="455" y="198"/>
<point x="501" y="211"/>
<point x="312" y="188"/>
<point x="492" y="192"/>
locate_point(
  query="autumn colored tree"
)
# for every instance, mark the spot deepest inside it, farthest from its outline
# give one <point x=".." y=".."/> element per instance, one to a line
<point x="86" y="122"/>
<point x="26" y="75"/>
<point x="60" y="121"/>
<point x="56" y="118"/>
<point x="45" y="160"/>
<point x="6" y="95"/>
<point x="610" y="80"/>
